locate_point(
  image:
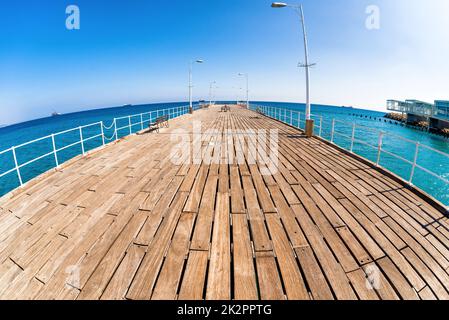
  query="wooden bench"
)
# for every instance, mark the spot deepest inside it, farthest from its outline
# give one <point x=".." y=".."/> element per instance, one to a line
<point x="159" y="123"/>
<point x="225" y="109"/>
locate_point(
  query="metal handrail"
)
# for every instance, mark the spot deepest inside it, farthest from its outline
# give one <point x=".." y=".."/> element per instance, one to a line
<point x="4" y="151"/>
<point x="300" y="116"/>
<point x="277" y="112"/>
<point x="173" y="113"/>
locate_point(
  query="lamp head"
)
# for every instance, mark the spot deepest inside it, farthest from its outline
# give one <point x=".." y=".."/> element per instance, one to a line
<point x="278" y="5"/>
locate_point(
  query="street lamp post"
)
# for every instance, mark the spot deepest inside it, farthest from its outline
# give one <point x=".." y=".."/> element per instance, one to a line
<point x="247" y="88"/>
<point x="210" y="91"/>
<point x="191" y="85"/>
<point x="238" y="94"/>
<point x="306" y="65"/>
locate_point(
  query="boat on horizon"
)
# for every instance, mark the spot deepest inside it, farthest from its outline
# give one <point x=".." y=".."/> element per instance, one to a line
<point x="55" y="114"/>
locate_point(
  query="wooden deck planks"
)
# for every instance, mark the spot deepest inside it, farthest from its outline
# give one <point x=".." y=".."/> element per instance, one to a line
<point x="125" y="223"/>
<point x="245" y="281"/>
<point x="219" y="277"/>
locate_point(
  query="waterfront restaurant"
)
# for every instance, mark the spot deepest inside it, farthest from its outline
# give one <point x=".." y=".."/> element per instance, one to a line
<point x="436" y="114"/>
<point x="442" y="109"/>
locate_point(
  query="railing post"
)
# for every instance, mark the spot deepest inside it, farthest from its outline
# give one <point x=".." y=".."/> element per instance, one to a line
<point x="141" y="121"/>
<point x="54" y="150"/>
<point x="353" y="137"/>
<point x="129" y="124"/>
<point x="102" y="132"/>
<point x="333" y="130"/>
<point x="17" y="165"/>
<point x="115" y="128"/>
<point x="415" y="162"/>
<point x="379" y="148"/>
<point x="299" y="120"/>
<point x="321" y="126"/>
<point x="82" y="141"/>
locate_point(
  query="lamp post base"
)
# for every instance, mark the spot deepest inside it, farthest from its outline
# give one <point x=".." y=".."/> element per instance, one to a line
<point x="309" y="128"/>
<point x="191" y="110"/>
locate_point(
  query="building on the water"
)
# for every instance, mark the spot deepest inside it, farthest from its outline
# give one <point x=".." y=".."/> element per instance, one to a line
<point x="436" y="114"/>
<point x="442" y="109"/>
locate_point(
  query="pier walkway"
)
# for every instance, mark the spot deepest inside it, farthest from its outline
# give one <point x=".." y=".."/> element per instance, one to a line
<point x="125" y="222"/>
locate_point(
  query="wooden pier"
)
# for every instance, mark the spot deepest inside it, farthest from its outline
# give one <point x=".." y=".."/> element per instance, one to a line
<point x="126" y="223"/>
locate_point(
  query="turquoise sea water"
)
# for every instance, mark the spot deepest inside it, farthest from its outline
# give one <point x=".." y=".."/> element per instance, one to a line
<point x="370" y="122"/>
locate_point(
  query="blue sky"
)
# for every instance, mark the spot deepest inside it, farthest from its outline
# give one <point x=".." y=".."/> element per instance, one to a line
<point x="138" y="51"/>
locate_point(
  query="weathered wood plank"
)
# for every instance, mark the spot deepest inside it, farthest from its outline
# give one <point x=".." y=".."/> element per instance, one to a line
<point x="219" y="279"/>
<point x="245" y="286"/>
<point x="121" y="280"/>
<point x="194" y="279"/>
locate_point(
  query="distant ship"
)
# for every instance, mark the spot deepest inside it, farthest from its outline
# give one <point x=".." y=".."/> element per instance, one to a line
<point x="127" y="105"/>
<point x="345" y="107"/>
<point x="55" y="114"/>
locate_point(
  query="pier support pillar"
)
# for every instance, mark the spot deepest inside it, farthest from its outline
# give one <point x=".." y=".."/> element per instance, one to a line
<point x="309" y="128"/>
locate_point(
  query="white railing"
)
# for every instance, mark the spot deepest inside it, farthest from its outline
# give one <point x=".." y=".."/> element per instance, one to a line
<point x="100" y="127"/>
<point x="292" y="118"/>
